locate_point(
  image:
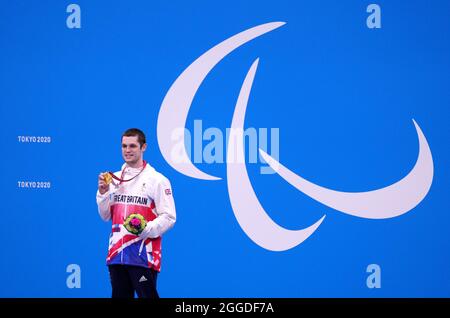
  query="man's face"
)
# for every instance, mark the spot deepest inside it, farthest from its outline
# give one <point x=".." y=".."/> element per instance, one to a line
<point x="131" y="149"/>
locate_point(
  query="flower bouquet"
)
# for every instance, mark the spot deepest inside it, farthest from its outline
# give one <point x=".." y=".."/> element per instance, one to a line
<point x="135" y="223"/>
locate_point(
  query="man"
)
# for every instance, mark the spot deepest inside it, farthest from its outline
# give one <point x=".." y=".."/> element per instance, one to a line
<point x="139" y="201"/>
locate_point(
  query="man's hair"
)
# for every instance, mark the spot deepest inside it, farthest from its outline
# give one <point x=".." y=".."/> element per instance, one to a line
<point x="135" y="132"/>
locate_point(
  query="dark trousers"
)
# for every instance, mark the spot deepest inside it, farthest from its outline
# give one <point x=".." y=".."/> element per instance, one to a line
<point x="128" y="279"/>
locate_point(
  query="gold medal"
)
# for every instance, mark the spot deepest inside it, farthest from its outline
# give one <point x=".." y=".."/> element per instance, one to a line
<point x="107" y="177"/>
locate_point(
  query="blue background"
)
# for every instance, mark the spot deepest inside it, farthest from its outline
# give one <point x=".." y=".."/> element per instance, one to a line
<point x="342" y="95"/>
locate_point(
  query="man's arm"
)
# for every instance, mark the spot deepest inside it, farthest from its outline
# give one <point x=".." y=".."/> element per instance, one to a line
<point x="165" y="208"/>
<point x="103" y="199"/>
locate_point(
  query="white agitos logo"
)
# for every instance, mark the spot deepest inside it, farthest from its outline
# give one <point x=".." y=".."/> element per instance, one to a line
<point x="388" y="202"/>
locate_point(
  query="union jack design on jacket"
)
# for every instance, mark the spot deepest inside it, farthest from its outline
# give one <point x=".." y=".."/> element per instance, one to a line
<point x="148" y="194"/>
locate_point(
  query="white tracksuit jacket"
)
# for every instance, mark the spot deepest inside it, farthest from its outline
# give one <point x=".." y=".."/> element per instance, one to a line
<point x="149" y="194"/>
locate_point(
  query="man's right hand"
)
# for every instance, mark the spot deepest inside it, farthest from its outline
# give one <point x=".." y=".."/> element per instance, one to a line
<point x="102" y="186"/>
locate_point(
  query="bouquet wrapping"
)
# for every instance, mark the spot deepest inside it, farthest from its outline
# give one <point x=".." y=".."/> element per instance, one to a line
<point x="135" y="223"/>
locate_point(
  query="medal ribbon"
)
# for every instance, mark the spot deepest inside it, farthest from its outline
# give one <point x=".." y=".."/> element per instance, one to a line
<point x="123" y="171"/>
